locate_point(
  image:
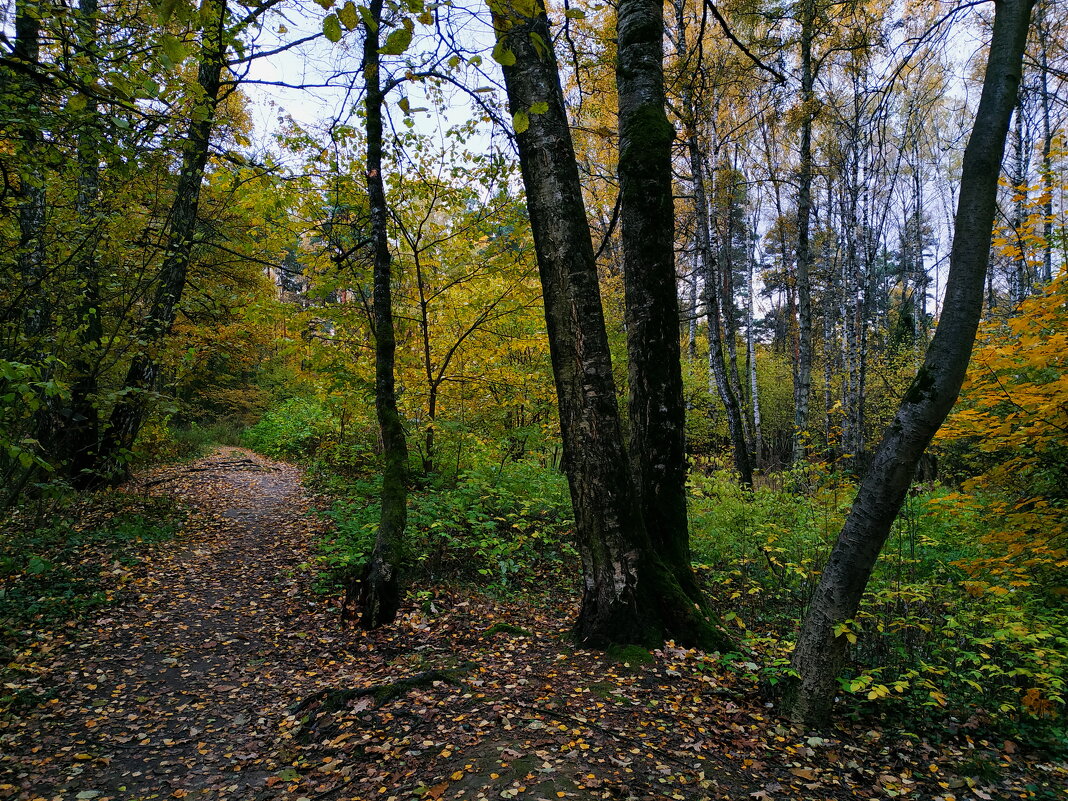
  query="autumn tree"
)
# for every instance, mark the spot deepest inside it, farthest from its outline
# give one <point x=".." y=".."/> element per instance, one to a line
<point x="629" y="593"/>
<point x="821" y="647"/>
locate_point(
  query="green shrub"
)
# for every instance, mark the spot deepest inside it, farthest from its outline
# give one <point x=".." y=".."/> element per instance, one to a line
<point x="928" y="639"/>
<point x="497" y="525"/>
<point x="293" y="429"/>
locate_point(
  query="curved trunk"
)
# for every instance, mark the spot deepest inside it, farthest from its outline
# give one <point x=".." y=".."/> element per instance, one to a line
<point x="380" y="592"/>
<point x="820" y="653"/>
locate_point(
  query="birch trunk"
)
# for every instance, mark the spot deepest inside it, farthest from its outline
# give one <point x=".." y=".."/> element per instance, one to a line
<point x="803" y="367"/>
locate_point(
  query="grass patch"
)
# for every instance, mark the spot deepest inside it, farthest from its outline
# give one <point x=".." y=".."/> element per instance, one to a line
<point x="507" y="628"/>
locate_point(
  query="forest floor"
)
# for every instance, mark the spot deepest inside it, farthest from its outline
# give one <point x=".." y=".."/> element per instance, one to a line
<point x="191" y="688"/>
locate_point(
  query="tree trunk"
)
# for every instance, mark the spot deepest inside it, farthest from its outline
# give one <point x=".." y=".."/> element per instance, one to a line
<point x="803" y="368"/>
<point x="647" y="215"/>
<point x="1047" y="146"/>
<point x="716" y="362"/>
<point x="380" y="591"/>
<point x="820" y="653"/>
<point x="82" y="430"/>
<point x="143" y="374"/>
<point x="707" y="268"/>
<point x="751" y="364"/>
<point x="32" y="208"/>
<point x="629" y="595"/>
<point x="1019" y="285"/>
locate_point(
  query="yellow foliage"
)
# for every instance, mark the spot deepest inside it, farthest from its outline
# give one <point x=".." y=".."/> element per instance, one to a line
<point x="1014" y="410"/>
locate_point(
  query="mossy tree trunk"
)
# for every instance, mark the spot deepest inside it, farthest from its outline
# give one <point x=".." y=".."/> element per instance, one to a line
<point x="380" y="592"/>
<point x="143" y="375"/>
<point x="629" y="594"/>
<point x="647" y="215"/>
<point x="820" y="652"/>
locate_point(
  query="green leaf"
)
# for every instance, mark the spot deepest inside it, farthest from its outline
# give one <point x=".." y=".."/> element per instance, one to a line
<point x="77" y="102"/>
<point x="520" y="121"/>
<point x="575" y="13"/>
<point x="396" y="43"/>
<point x="404" y="105"/>
<point x="349" y="16"/>
<point x="368" y="20"/>
<point x="173" y="48"/>
<point x="539" y="108"/>
<point x="502" y="55"/>
<point x="332" y="28"/>
<point x="540" y="47"/>
<point x="151" y="87"/>
<point x="165" y="10"/>
<point x="326" y="4"/>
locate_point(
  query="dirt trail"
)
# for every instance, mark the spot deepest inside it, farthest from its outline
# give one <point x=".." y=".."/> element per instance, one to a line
<point x="188" y="690"/>
<point x="182" y="690"/>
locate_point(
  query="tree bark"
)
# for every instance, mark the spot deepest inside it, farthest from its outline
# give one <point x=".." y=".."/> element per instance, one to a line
<point x="820" y="653"/>
<point x="803" y="368"/>
<point x="751" y="366"/>
<point x="1047" y="145"/>
<point x="629" y="595"/>
<point x="380" y="591"/>
<point x="1019" y="285"/>
<point x="82" y="430"/>
<point x="647" y="215"/>
<point x="128" y="414"/>
<point x="32" y="209"/>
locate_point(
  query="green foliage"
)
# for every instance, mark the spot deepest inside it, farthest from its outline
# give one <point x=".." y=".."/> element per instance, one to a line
<point x="162" y="440"/>
<point x="293" y="429"/>
<point x="504" y="524"/>
<point x="928" y="640"/>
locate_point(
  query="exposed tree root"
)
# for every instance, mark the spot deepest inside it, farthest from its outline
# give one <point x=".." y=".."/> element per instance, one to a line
<point x="245" y="465"/>
<point x="328" y="701"/>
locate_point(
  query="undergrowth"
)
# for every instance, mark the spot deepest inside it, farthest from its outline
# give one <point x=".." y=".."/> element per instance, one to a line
<point x="930" y="643"/>
<point x="941" y="642"/>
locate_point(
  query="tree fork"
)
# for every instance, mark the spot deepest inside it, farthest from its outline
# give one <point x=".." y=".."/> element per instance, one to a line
<point x="626" y="597"/>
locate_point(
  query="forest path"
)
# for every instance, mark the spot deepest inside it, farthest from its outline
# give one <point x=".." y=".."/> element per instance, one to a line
<point x="190" y="689"/>
<point x="179" y="692"/>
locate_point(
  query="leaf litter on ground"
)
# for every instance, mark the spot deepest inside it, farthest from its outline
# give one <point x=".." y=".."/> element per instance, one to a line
<point x="225" y="675"/>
